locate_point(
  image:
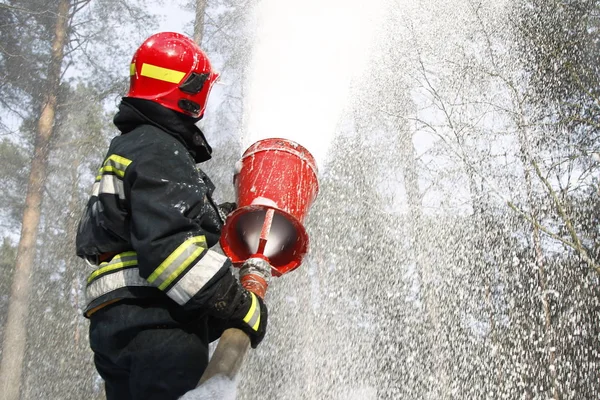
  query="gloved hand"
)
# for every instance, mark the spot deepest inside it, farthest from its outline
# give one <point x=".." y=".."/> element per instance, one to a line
<point x="251" y="317"/>
<point x="238" y="308"/>
<point x="225" y="209"/>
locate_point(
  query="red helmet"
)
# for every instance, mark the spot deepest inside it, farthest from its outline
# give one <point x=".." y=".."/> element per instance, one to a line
<point x="171" y="70"/>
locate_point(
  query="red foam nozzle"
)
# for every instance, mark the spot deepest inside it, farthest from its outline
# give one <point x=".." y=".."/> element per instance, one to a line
<point x="276" y="183"/>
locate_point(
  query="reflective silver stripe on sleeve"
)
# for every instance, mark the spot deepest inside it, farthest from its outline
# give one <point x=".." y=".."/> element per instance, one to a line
<point x="109" y="184"/>
<point x="109" y="179"/>
<point x="116" y="280"/>
<point x="96" y="189"/>
<point x="112" y="185"/>
<point x="198" y="276"/>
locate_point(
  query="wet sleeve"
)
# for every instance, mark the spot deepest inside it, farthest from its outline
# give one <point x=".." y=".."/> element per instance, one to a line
<point x="166" y="200"/>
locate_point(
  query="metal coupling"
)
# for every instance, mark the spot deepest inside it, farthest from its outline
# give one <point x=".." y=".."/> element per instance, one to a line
<point x="257" y="266"/>
<point x="255" y="275"/>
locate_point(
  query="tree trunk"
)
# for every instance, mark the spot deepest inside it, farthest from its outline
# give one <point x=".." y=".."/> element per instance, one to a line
<point x="431" y="331"/>
<point x="526" y="160"/>
<point x="16" y="329"/>
<point x="199" y="21"/>
<point x="482" y="225"/>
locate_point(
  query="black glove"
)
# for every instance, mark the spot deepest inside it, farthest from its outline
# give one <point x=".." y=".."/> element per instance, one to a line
<point x="239" y="308"/>
<point x="251" y="317"/>
<point x="225" y="209"/>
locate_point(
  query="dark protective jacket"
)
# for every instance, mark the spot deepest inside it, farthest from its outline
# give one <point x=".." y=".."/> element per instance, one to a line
<point x="150" y="221"/>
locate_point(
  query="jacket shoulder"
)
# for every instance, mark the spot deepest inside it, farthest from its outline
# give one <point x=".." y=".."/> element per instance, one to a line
<point x="147" y="139"/>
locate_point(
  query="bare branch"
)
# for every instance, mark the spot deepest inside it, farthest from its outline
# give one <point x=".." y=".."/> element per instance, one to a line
<point x="26" y="10"/>
<point x="576" y="241"/>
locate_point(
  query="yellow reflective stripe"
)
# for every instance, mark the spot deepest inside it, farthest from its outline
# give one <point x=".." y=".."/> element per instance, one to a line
<point x="132" y="69"/>
<point x="112" y="265"/>
<point x="109" y="168"/>
<point x="126" y="254"/>
<point x="183" y="266"/>
<point x="251" y="313"/>
<point x="173" y="256"/>
<point x="120" y="160"/>
<point x="162" y="74"/>
<point x="114" y="163"/>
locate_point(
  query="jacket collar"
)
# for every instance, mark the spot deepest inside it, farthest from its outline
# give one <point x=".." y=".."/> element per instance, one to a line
<point x="135" y="112"/>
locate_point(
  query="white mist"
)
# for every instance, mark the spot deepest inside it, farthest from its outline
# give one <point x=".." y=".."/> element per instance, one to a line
<point x="305" y="58"/>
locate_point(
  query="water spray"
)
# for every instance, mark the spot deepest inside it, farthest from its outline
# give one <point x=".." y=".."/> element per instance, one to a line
<point x="294" y="72"/>
<point x="276" y="183"/>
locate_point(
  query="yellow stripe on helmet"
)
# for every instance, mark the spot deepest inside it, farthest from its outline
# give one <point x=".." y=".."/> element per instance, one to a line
<point x="162" y="74"/>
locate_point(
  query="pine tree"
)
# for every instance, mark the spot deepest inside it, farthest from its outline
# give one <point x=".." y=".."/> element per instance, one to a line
<point x="48" y="39"/>
<point x="15" y="336"/>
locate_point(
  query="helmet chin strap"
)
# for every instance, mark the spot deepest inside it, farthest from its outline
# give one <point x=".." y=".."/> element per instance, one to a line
<point x="189" y="106"/>
<point x="188" y="118"/>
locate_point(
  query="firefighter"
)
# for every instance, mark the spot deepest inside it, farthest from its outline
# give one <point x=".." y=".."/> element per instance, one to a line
<point x="159" y="294"/>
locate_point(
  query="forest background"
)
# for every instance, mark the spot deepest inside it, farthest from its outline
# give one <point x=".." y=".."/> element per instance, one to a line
<point x="456" y="250"/>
